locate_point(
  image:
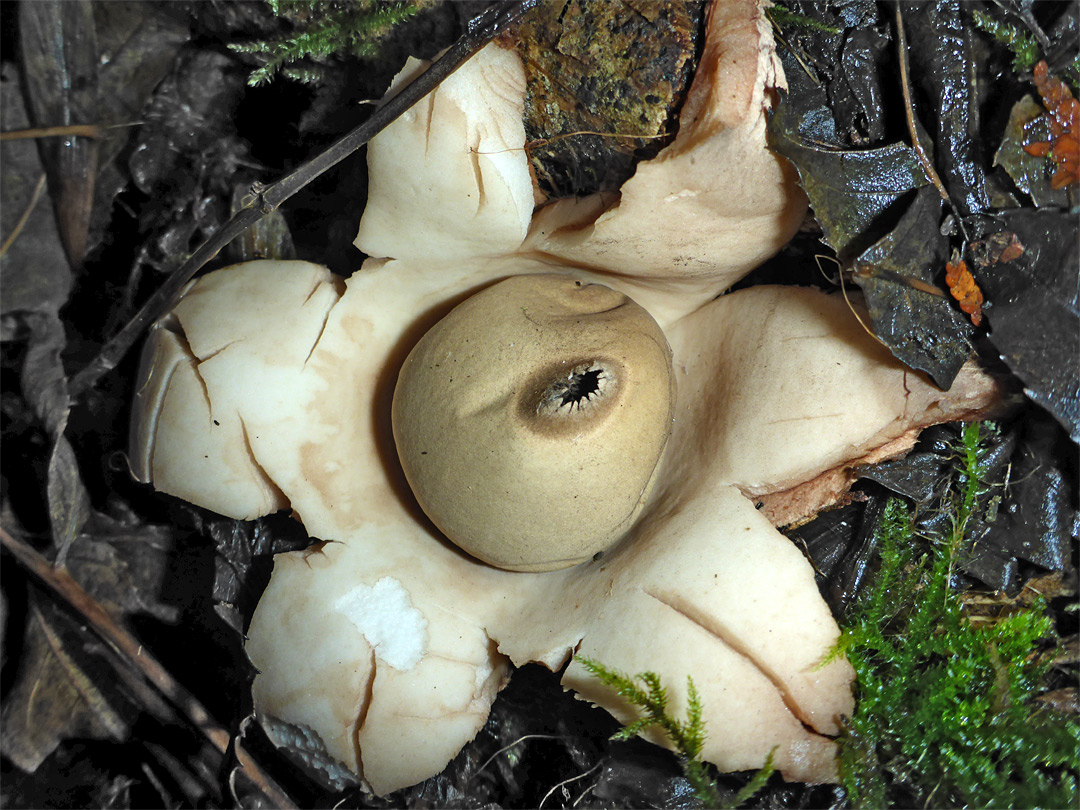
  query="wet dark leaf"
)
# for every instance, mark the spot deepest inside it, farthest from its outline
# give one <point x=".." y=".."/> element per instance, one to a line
<point x="1028" y="172"/>
<point x="646" y="781"/>
<point x="842" y="547"/>
<point x="908" y="312"/>
<point x="850" y="190"/>
<point x="942" y="68"/>
<point x="1035" y="314"/>
<point x="34" y="272"/>
<point x="58" y="42"/>
<point x="243" y="550"/>
<point x="1037" y="522"/>
<point x="845" y="48"/>
<point x="185" y="158"/>
<point x="922" y="477"/>
<point x="1031" y="515"/>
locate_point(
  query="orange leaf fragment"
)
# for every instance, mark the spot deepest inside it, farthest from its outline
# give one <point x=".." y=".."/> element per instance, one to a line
<point x="963" y="288"/>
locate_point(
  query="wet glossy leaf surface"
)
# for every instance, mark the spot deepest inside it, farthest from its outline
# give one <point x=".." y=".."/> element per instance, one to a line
<point x="908" y="312"/>
<point x="850" y="190"/>
<point x="943" y="65"/>
<point x="1027" y="171"/>
<point x="1035" y="319"/>
<point x="845" y="52"/>
<point x="1032" y="519"/>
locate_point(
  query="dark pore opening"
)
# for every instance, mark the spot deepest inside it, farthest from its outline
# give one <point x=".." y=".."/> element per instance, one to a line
<point x="580" y="386"/>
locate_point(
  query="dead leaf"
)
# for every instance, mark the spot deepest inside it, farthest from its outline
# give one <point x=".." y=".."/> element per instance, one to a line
<point x="1035" y="314"/>
<point x="846" y="48"/>
<point x="943" y="67"/>
<point x="66" y="686"/>
<point x="908" y="312"/>
<point x="34" y="272"/>
<point x="851" y="190"/>
<point x="44" y="385"/>
<point x="56" y="696"/>
<point x="138" y="44"/>
<point x="1027" y="171"/>
<point x="1065" y="700"/>
<point x="58" y="42"/>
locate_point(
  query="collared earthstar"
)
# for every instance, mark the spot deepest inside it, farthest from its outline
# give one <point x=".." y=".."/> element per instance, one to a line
<point x="270" y="386"/>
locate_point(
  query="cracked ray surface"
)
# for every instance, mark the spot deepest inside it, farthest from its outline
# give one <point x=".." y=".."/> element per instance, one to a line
<point x="699" y="535"/>
<point x="759" y="374"/>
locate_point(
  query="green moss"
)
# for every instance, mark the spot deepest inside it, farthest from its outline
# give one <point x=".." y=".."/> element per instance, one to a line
<point x="782" y="17"/>
<point x="946" y="712"/>
<point x="651" y="698"/>
<point x="348" y="27"/>
<point x="1025" y="49"/>
<point x="688" y="737"/>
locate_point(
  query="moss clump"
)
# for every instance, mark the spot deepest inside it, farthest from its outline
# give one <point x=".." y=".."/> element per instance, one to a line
<point x="1025" y="49"/>
<point x="322" y="29"/>
<point x="946" y="712"/>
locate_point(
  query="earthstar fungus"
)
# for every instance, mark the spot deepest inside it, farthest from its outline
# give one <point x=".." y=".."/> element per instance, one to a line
<point x="272" y="385"/>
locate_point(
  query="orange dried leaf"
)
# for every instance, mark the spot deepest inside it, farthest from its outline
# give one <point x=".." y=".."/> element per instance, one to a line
<point x="964" y="289"/>
<point x="1038" y="149"/>
<point x="1014" y="251"/>
<point x="1063" y="115"/>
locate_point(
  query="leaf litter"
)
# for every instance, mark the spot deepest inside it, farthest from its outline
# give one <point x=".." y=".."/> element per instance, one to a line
<point x="874" y="206"/>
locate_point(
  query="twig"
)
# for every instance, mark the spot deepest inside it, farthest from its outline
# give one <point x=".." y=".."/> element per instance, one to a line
<point x="566" y="782"/>
<point x="909" y="114"/>
<point x="61" y="583"/>
<point x="482" y="30"/>
<point x="85" y="130"/>
<point x="519" y="740"/>
<point x="1025" y="14"/>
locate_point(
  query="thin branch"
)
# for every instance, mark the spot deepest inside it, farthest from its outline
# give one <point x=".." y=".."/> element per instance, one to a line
<point x="85" y="130"/>
<point x="909" y="112"/>
<point x="518" y="741"/>
<point x="132" y="652"/>
<point x="482" y="30"/>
